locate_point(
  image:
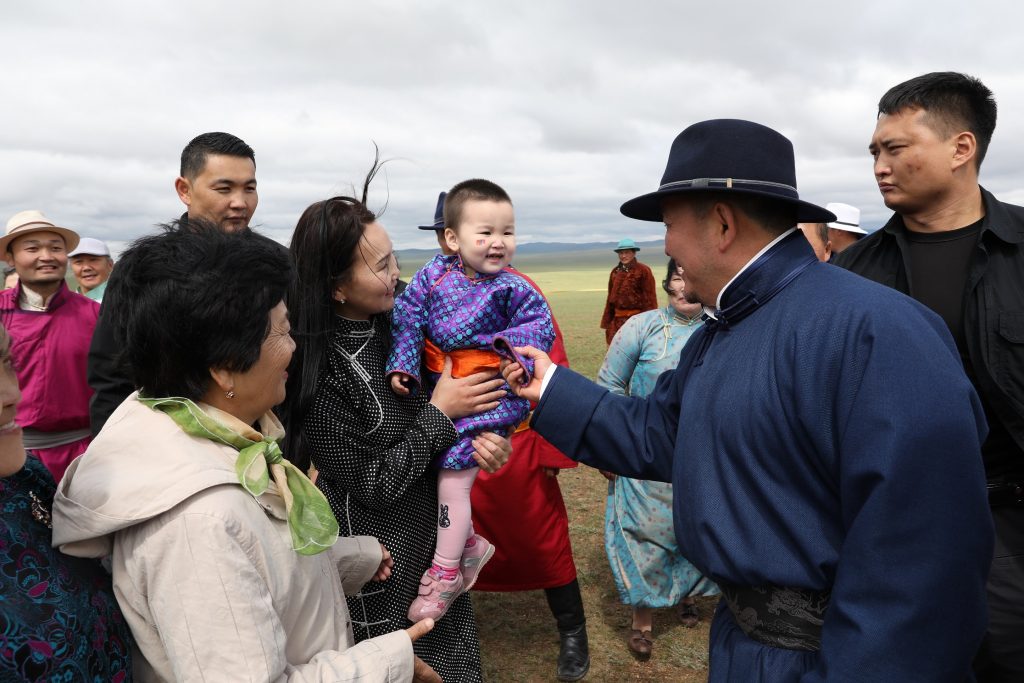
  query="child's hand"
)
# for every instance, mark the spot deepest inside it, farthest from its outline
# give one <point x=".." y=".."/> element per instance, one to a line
<point x="400" y="383"/>
<point x="386" y="563"/>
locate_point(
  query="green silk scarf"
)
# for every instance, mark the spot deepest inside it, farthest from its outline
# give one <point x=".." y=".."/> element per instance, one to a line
<point x="310" y="520"/>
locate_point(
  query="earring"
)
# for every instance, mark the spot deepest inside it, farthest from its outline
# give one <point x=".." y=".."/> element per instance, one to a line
<point x="341" y="301"/>
<point x="230" y="394"/>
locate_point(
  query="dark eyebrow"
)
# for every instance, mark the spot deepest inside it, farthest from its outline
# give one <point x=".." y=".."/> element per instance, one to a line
<point x="229" y="181"/>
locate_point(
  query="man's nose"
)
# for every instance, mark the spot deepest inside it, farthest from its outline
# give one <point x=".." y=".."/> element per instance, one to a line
<point x="881" y="167"/>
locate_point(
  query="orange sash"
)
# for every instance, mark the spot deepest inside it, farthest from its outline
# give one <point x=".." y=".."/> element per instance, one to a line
<point x="465" y="362"/>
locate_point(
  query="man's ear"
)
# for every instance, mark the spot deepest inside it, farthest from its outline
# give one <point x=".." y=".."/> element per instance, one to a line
<point x="966" y="148"/>
<point x="184" y="189"/>
<point x="726" y="217"/>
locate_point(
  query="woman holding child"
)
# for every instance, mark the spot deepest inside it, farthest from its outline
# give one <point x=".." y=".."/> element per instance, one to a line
<point x="373" y="449"/>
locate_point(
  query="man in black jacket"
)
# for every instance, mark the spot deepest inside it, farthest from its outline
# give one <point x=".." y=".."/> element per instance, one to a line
<point x="957" y="249"/>
<point x="218" y="184"/>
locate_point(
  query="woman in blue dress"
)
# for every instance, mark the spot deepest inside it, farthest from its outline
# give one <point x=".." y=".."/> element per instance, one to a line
<point x="648" y="569"/>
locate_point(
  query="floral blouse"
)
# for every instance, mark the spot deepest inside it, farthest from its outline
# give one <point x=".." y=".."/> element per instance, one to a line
<point x="59" y="620"/>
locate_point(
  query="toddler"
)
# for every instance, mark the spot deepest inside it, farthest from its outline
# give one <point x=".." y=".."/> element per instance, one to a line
<point x="467" y="306"/>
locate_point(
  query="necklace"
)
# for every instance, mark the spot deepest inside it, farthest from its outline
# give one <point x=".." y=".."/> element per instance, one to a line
<point x="689" y="322"/>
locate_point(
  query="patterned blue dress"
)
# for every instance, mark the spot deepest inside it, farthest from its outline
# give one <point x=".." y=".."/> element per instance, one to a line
<point x="456" y="312"/>
<point x="59" y="620"/>
<point x="648" y="569"/>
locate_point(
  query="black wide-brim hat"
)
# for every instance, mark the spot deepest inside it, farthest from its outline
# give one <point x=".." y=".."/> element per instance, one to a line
<point x="438" y="215"/>
<point x="729" y="155"/>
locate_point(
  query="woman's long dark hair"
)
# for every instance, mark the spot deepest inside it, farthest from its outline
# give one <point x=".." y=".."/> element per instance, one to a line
<point x="324" y="248"/>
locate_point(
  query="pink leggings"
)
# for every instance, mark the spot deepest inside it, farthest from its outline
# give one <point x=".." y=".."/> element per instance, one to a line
<point x="454" y="519"/>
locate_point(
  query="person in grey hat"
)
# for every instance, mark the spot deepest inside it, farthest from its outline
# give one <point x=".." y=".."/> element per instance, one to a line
<point x="91" y="264"/>
<point x="630" y="290"/>
<point x="824" y="451"/>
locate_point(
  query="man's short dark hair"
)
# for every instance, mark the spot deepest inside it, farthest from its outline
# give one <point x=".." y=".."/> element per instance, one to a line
<point x="467" y="190"/>
<point x="194" y="298"/>
<point x="953" y="102"/>
<point x="193" y="157"/>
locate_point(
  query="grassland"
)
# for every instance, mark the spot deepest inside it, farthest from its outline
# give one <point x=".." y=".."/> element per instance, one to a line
<point x="519" y="641"/>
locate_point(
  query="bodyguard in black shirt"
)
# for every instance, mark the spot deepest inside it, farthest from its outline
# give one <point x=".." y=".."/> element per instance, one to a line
<point x="957" y="249"/>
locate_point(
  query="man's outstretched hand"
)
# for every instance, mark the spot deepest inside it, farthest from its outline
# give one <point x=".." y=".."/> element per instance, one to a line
<point x="514" y="373"/>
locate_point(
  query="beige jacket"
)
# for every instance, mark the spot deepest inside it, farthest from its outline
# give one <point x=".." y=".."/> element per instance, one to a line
<point x="204" y="572"/>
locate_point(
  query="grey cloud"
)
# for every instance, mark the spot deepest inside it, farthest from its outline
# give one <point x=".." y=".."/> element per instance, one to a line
<point x="572" y="106"/>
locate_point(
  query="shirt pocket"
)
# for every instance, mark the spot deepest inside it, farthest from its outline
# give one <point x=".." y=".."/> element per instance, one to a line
<point x="1008" y="356"/>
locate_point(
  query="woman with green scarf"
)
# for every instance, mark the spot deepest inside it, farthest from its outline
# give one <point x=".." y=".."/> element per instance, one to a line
<point x="226" y="560"/>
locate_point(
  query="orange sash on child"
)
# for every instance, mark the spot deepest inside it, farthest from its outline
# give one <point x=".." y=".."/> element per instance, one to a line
<point x="465" y="362"/>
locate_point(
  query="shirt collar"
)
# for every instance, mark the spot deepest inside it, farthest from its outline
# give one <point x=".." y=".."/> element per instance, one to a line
<point x="718" y="302"/>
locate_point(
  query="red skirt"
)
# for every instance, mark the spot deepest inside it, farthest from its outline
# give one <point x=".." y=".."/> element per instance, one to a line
<point x="520" y="510"/>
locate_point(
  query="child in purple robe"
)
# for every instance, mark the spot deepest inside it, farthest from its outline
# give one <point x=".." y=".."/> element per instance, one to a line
<point x="458" y="305"/>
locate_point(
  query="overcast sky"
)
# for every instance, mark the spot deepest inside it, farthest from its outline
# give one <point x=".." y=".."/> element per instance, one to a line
<point x="571" y="106"/>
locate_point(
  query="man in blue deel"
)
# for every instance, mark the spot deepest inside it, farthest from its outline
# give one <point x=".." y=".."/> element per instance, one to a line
<point x="821" y="437"/>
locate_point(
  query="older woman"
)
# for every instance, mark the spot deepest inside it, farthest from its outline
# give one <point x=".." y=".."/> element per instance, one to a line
<point x="648" y="569"/>
<point x="59" y="620"/>
<point x="225" y="557"/>
<point x="372" y="448"/>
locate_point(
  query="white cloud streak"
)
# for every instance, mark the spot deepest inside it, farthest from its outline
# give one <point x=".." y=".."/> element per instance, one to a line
<point x="571" y="106"/>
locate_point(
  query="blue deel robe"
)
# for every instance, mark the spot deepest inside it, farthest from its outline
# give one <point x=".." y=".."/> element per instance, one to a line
<point x="831" y="441"/>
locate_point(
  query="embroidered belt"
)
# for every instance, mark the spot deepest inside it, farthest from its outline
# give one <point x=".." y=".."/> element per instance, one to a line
<point x="465" y="362"/>
<point x="788" y="618"/>
<point x="34" y="438"/>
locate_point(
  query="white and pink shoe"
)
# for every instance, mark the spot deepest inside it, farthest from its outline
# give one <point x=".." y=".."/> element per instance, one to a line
<point x="473" y="560"/>
<point x="436" y="595"/>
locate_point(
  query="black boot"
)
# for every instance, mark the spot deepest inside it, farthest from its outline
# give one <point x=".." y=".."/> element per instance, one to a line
<point x="566" y="605"/>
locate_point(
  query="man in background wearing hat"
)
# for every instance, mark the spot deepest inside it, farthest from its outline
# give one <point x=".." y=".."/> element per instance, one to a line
<point x="823" y="450"/>
<point x="845" y="229"/>
<point x="829" y="239"/>
<point x="217" y="184"/>
<point x="50" y="328"/>
<point x="630" y="290"/>
<point x="542" y="558"/>
<point x="960" y="251"/>
<point x="91" y="264"/>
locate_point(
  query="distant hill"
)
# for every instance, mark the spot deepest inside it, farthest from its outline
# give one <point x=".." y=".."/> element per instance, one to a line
<point x="549" y="256"/>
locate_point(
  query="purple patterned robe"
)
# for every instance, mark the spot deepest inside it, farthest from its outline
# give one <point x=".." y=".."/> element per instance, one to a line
<point x="455" y="312"/>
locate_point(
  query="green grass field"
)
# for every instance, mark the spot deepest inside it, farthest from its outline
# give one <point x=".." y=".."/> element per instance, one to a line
<point x="519" y="641"/>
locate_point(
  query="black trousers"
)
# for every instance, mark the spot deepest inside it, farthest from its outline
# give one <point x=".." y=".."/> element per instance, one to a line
<point x="566" y="605"/>
<point x="1001" y="658"/>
